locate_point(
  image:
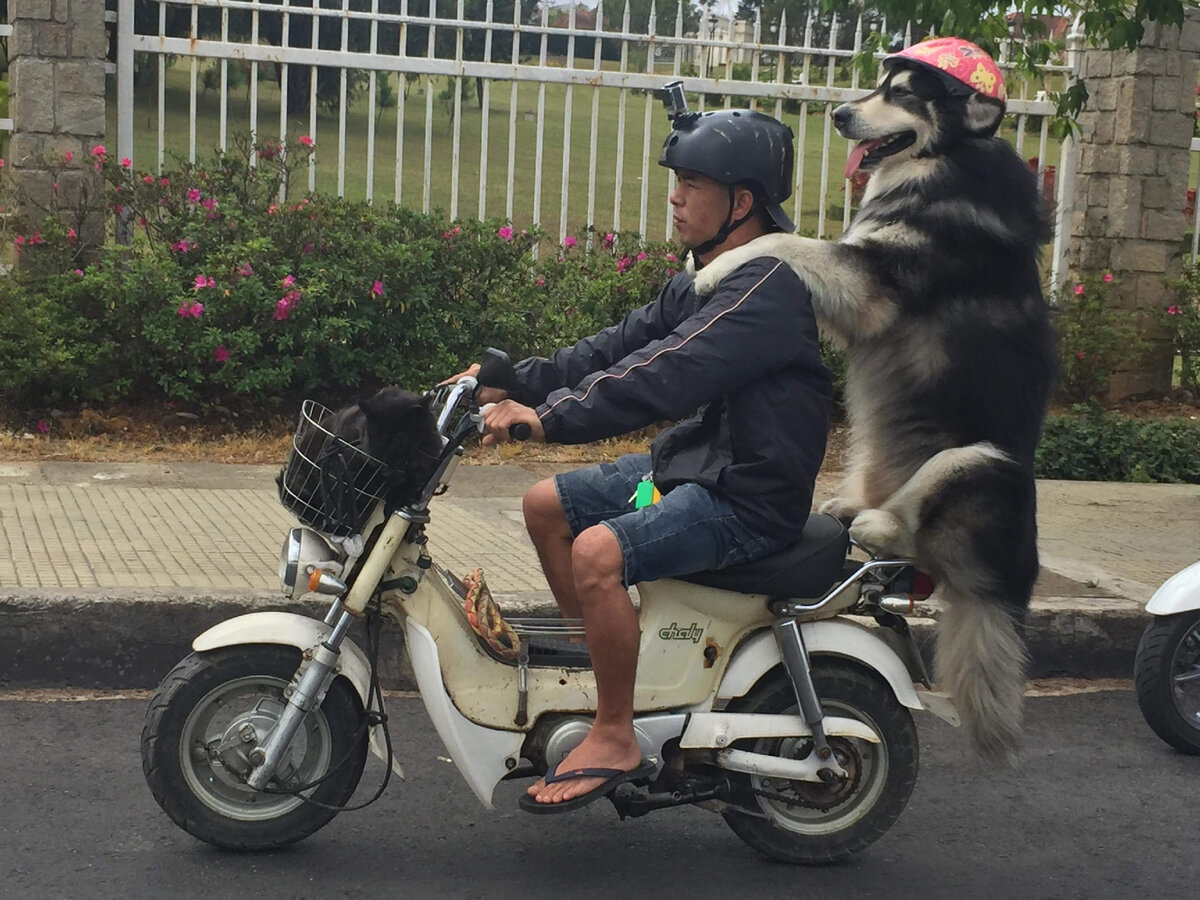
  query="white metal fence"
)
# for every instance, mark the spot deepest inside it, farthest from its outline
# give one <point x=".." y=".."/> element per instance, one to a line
<point x="597" y="170"/>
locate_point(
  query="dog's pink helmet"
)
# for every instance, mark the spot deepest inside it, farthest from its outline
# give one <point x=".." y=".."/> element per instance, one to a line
<point x="959" y="63"/>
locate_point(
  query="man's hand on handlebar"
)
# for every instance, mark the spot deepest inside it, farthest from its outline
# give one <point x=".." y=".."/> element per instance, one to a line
<point x="482" y="394"/>
<point x="499" y="418"/>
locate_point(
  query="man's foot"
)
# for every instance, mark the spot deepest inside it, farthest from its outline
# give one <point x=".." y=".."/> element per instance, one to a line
<point x="620" y="753"/>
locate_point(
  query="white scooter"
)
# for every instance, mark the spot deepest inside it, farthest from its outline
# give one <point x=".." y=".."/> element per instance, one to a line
<point x="756" y="696"/>
<point x="1167" y="666"/>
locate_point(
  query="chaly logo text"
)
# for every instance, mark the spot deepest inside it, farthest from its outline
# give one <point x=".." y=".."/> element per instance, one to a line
<point x="673" y="632"/>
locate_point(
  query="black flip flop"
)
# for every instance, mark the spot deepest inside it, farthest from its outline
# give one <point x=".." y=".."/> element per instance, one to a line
<point x="645" y="769"/>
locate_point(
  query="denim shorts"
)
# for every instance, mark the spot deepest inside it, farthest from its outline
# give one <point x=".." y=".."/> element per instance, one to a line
<point x="688" y="530"/>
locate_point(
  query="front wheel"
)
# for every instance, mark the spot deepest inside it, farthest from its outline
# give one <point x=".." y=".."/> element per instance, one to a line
<point x="805" y="822"/>
<point x="1166" y="673"/>
<point x="207" y="715"/>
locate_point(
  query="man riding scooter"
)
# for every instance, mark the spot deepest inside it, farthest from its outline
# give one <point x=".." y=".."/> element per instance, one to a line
<point x="731" y="482"/>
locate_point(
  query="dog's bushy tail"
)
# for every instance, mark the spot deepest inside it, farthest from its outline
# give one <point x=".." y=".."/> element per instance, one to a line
<point x="981" y="660"/>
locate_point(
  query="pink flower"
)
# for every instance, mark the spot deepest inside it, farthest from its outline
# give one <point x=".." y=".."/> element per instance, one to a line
<point x="289" y="280"/>
<point x="1107" y="277"/>
<point x="181" y="246"/>
<point x="209" y="203"/>
<point x="307" y="248"/>
<point x="221" y="354"/>
<point x="184" y="311"/>
<point x="204" y="281"/>
<point x="272" y="209"/>
<point x="68" y="156"/>
<point x="671" y="257"/>
<point x="541" y="282"/>
<point x="1173" y="310"/>
<point x="148" y="179"/>
<point x="569" y="242"/>
<point x="193" y="195"/>
<point x="305" y="141"/>
<point x="245" y="270"/>
<point x="126" y="162"/>
<point x="99" y="151"/>
<point x="283" y="309"/>
<point x="196" y="310"/>
<point x="623" y="264"/>
<point x="19" y="240"/>
<point x="1078" y="290"/>
<point x="641" y="256"/>
<point x="670" y="273"/>
<point x="1079" y="355"/>
<point x="377" y="288"/>
<point x="42" y="427"/>
<point x="71" y="235"/>
<point x="609" y="239"/>
<point x="79" y="271"/>
<point x="505" y="232"/>
<point x="1" y="164"/>
<point x="165" y="182"/>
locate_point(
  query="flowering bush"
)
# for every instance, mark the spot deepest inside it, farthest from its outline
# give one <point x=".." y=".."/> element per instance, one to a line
<point x="227" y="294"/>
<point x="1181" y="321"/>
<point x="1095" y="339"/>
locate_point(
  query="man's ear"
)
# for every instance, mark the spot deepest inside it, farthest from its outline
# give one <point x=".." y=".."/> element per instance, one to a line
<point x="743" y="202"/>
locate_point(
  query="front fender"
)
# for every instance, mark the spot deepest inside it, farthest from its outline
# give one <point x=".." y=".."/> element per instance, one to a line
<point x="759" y="654"/>
<point x="303" y="633"/>
<point x="1179" y="593"/>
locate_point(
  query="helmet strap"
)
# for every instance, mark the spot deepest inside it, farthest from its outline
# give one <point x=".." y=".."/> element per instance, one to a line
<point x="724" y="231"/>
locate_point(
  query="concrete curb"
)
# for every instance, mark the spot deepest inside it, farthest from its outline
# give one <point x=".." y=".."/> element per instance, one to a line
<point x="91" y="639"/>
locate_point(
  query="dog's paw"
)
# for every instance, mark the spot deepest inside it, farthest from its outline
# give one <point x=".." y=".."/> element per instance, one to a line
<point x="882" y="533"/>
<point x="842" y="508"/>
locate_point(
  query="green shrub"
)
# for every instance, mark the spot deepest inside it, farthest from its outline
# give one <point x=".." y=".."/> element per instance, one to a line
<point x="1095" y="339"/>
<point x="1093" y="445"/>
<point x="1181" y="321"/>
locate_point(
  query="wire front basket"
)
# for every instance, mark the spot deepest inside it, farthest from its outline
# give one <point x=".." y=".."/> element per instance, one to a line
<point x="329" y="483"/>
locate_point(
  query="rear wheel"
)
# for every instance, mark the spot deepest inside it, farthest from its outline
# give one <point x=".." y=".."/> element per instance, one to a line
<point x="806" y="822"/>
<point x="1167" y="679"/>
<point x="206" y="716"/>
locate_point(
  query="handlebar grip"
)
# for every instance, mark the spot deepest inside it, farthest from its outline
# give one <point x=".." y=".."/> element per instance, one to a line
<point x="520" y="432"/>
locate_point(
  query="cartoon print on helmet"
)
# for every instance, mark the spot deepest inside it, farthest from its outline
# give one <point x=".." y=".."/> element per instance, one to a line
<point x="952" y="58"/>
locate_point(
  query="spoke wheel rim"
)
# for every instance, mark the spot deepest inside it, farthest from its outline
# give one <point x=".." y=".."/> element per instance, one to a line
<point x="1185" y="677"/>
<point x="810" y="813"/>
<point x="255" y="700"/>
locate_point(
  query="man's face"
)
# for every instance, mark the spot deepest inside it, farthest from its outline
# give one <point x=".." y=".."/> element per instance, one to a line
<point x="699" y="207"/>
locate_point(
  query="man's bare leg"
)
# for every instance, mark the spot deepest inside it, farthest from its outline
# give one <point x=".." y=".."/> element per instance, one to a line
<point x="547" y="526"/>
<point x="613" y="637"/>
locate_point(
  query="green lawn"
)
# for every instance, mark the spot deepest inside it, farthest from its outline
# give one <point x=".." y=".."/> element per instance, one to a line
<point x="413" y="174"/>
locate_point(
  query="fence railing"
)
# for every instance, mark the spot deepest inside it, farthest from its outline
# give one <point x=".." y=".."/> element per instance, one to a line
<point x="391" y="85"/>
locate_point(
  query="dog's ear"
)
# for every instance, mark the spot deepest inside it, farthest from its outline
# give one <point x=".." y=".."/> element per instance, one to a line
<point x="982" y="115"/>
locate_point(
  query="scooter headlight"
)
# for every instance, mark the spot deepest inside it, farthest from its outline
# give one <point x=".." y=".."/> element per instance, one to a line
<point x="303" y="551"/>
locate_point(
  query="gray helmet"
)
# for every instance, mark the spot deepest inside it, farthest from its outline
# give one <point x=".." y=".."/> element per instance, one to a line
<point x="736" y="145"/>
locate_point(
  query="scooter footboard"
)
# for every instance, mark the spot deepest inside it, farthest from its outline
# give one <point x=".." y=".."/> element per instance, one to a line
<point x="759" y="653"/>
<point x="303" y="633"/>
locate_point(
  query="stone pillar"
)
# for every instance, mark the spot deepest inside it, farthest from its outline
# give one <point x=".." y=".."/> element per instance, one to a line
<point x="1131" y="188"/>
<point x="57" y="56"/>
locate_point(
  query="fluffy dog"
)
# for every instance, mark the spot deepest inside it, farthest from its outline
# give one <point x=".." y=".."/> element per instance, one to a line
<point x="935" y="294"/>
<point x="394" y="427"/>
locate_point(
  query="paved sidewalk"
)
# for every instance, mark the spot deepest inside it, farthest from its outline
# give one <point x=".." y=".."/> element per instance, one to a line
<point x="194" y="542"/>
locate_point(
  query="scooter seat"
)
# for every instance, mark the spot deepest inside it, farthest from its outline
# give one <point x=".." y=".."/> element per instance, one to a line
<point x="807" y="568"/>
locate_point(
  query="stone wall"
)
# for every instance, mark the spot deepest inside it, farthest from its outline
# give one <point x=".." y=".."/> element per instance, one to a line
<point x="1135" y="141"/>
<point x="56" y="59"/>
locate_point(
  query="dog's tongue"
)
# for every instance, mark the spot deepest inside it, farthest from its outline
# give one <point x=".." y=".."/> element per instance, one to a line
<point x="856" y="155"/>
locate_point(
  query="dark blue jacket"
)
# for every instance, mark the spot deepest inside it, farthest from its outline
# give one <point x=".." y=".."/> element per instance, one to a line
<point x="742" y="369"/>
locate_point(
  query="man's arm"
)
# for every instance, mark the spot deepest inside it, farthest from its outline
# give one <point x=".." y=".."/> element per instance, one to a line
<point x="539" y="376"/>
<point x="759" y="319"/>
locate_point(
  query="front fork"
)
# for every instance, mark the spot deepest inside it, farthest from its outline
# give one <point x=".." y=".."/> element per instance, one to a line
<point x="308" y="693"/>
<point x="796" y="664"/>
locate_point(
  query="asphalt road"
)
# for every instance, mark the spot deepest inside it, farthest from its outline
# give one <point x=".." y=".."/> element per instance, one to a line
<point x="1099" y="808"/>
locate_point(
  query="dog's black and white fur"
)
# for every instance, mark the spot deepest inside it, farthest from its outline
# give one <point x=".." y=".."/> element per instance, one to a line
<point x="935" y="294"/>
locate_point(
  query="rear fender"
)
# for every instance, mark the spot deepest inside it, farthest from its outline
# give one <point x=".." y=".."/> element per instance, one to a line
<point x="759" y="654"/>
<point x="303" y="633"/>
